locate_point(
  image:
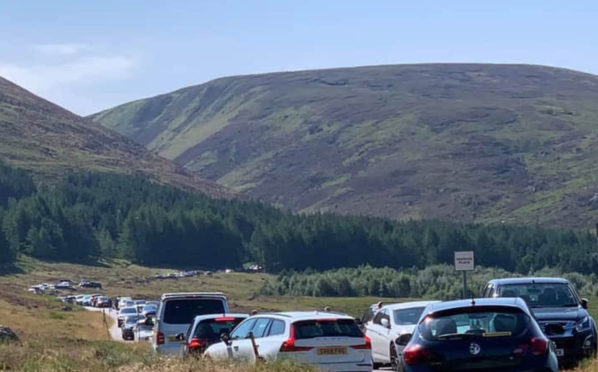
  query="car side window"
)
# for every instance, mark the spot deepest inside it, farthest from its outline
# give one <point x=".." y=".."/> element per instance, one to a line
<point x="259" y="329"/>
<point x="276" y="328"/>
<point x="378" y="317"/>
<point x="385" y="315"/>
<point x="242" y="331"/>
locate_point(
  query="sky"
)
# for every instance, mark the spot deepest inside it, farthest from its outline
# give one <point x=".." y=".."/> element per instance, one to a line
<point x="88" y="56"/>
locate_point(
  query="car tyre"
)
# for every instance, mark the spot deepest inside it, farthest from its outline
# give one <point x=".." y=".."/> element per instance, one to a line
<point x="394" y="359"/>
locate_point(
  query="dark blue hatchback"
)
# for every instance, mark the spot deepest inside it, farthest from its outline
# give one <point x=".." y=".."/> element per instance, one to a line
<point x="497" y="334"/>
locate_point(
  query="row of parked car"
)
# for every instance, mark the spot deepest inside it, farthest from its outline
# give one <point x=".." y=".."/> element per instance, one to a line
<point x="63" y="285"/>
<point x="524" y="324"/>
<point x="135" y="317"/>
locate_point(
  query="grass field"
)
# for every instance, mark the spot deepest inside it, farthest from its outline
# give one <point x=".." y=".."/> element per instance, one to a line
<point x="57" y="340"/>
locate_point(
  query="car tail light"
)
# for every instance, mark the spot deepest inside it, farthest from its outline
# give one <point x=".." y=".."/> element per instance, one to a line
<point x="289" y="345"/>
<point x="159" y="338"/>
<point x="196" y="344"/>
<point x="415" y="354"/>
<point x="366" y="346"/>
<point x="539" y="346"/>
<point x="225" y="319"/>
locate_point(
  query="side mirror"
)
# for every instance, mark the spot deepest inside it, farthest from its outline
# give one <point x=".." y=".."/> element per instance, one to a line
<point x="225" y="337"/>
<point x="404" y="339"/>
<point x="149" y="322"/>
<point x="180" y="337"/>
<point x="385" y="323"/>
<point x="358" y="322"/>
<point x="584" y="303"/>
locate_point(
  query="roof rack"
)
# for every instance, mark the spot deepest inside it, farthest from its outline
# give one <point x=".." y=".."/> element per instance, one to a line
<point x="192" y="294"/>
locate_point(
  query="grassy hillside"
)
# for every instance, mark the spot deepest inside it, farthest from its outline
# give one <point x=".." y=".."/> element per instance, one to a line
<point x="50" y="141"/>
<point x="463" y="141"/>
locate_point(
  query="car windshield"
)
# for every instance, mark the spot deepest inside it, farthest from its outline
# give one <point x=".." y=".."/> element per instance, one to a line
<point x="541" y="294"/>
<point x="326" y="328"/>
<point x="132" y="320"/>
<point x="183" y="311"/>
<point x="475" y="322"/>
<point x="212" y="329"/>
<point x="407" y="316"/>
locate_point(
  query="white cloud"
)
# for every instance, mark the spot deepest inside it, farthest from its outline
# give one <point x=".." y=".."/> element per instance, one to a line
<point x="75" y="72"/>
<point x="60" y="49"/>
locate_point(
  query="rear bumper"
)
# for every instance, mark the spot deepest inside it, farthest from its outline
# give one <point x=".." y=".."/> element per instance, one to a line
<point x="366" y="365"/>
<point x="169" y="349"/>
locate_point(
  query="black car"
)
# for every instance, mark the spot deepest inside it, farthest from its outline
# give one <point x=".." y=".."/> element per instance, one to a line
<point x="87" y="284"/>
<point x="498" y="334"/>
<point x="559" y="310"/>
<point x="129" y="327"/>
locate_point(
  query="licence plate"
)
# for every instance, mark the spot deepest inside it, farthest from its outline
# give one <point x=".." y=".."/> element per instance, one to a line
<point x="172" y="339"/>
<point x="332" y="351"/>
<point x="560" y="352"/>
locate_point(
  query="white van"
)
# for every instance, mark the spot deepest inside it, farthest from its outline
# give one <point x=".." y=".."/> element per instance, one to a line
<point x="177" y="311"/>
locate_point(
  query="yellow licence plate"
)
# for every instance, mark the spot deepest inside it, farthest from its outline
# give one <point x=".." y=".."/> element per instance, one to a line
<point x="332" y="351"/>
<point x="172" y="339"/>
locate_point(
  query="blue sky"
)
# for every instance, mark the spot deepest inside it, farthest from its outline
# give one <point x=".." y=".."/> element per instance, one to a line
<point x="92" y="55"/>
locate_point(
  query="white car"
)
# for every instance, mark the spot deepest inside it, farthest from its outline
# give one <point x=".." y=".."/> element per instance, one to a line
<point x="329" y="341"/>
<point x="390" y="322"/>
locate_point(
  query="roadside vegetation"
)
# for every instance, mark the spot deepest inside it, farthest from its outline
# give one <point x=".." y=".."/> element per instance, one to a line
<point x="439" y="282"/>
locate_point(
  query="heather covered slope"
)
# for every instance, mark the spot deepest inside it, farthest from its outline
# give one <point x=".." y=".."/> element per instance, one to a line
<point x="460" y="141"/>
<point x="50" y="141"/>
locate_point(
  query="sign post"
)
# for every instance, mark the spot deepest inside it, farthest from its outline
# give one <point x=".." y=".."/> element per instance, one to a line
<point x="464" y="262"/>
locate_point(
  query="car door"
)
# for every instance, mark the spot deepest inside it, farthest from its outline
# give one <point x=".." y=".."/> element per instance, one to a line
<point x="374" y="332"/>
<point x="385" y="336"/>
<point x="259" y="331"/>
<point x="271" y="342"/>
<point x="239" y="344"/>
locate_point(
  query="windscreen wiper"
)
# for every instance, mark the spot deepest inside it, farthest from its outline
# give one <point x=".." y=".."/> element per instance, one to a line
<point x="457" y="335"/>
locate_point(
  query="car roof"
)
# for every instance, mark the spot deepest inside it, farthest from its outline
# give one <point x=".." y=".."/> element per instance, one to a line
<point x="306" y="315"/>
<point x="530" y="280"/>
<point x="167" y="296"/>
<point x="409" y="305"/>
<point x="498" y="301"/>
<point x="214" y="316"/>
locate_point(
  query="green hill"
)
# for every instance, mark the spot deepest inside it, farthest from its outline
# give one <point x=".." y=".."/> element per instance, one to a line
<point x="511" y="143"/>
<point x="49" y="141"/>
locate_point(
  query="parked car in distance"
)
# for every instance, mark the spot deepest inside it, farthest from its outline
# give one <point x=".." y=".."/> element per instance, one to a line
<point x="104" y="302"/>
<point x="123" y="301"/>
<point x="389" y="323"/>
<point x="149" y="310"/>
<point x="129" y="326"/>
<point x="123" y="313"/>
<point x="88" y="284"/>
<point x="79" y="299"/>
<point x="65" y="286"/>
<point x="561" y="313"/>
<point x="206" y="330"/>
<point x="177" y="311"/>
<point x="329" y="341"/>
<point x="489" y="334"/>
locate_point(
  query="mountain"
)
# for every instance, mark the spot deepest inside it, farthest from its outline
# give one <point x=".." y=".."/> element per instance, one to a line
<point x="50" y="141"/>
<point x="479" y="142"/>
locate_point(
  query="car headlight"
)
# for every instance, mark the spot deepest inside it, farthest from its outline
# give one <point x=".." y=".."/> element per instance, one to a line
<point x="583" y="325"/>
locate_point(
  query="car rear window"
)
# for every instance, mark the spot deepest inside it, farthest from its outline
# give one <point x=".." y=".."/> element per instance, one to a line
<point x="128" y="310"/>
<point x="475" y="322"/>
<point x="326" y="328"/>
<point x="211" y="329"/>
<point x="183" y="311"/>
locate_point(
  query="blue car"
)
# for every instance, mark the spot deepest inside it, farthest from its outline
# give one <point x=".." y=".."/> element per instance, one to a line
<point x="559" y="310"/>
<point x="491" y="334"/>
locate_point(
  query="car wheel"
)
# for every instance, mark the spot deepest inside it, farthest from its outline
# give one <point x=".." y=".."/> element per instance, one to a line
<point x="394" y="359"/>
<point x="378" y="365"/>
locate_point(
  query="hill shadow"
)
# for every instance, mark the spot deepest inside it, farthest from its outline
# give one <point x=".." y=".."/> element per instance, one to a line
<point x="10" y="269"/>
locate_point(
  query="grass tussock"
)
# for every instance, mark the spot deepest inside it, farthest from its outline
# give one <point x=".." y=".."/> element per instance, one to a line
<point x="105" y="356"/>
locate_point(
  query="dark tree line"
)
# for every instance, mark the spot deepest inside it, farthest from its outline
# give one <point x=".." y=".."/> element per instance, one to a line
<point x="91" y="216"/>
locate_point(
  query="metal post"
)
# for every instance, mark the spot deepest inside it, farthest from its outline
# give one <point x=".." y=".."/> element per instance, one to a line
<point x="465" y="285"/>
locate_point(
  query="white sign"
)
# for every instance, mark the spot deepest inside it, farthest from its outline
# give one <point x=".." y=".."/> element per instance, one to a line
<point x="464" y="261"/>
